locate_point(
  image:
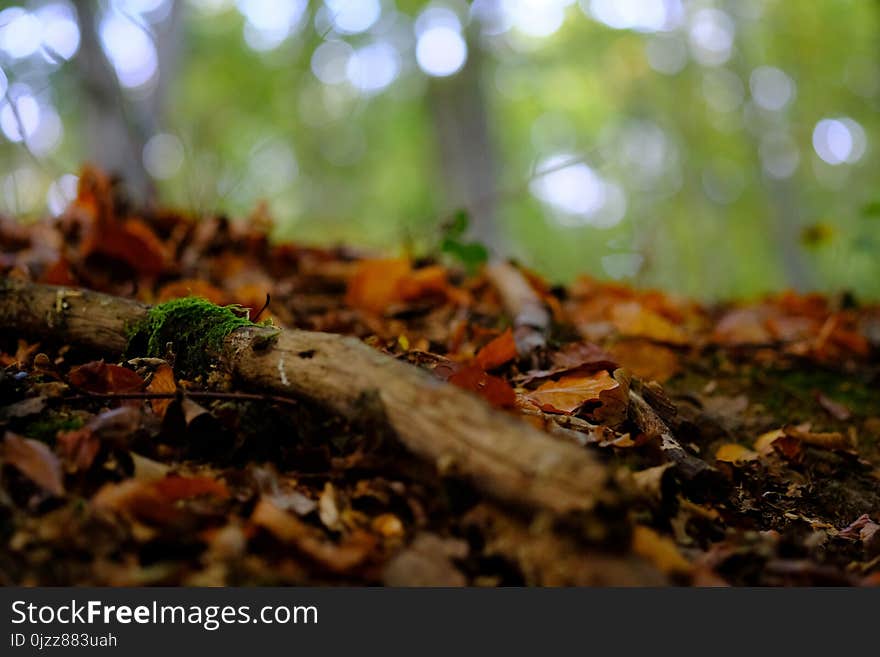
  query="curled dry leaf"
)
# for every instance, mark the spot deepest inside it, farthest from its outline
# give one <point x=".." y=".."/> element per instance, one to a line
<point x="35" y="461"/>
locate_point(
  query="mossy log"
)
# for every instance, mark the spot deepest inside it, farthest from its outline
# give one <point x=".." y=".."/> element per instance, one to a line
<point x="452" y="428"/>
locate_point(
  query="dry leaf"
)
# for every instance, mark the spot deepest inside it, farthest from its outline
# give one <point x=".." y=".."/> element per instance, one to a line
<point x="734" y="453"/>
<point x="35" y="461"/>
<point x="99" y="377"/>
<point x="660" y="550"/>
<point x="162" y="382"/>
<point x="499" y="351"/>
<point x="569" y="393"/>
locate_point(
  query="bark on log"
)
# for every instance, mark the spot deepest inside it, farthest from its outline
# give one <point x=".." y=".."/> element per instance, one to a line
<point x="457" y="431"/>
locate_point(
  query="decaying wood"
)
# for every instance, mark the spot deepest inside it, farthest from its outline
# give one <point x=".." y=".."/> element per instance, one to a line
<point x="531" y="320"/>
<point x="454" y="429"/>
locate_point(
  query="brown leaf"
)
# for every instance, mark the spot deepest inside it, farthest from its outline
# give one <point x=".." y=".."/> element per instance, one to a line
<point x="115" y="427"/>
<point x="34" y="460"/>
<point x="497" y="352"/>
<point x="155" y="500"/>
<point x="647" y="360"/>
<point x="583" y="357"/>
<point x="569" y="393"/>
<point x="99" y="377"/>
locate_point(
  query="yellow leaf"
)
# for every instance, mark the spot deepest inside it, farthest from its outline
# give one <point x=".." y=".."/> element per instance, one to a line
<point x="659" y="550"/>
<point x="733" y="453"/>
<point x="764" y="443"/>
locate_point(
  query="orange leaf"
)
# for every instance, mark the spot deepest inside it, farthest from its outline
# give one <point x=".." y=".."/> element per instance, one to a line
<point x="100" y="377"/>
<point x="34" y="460"/>
<point x="162" y="382"/>
<point x="375" y="284"/>
<point x="497" y="352"/>
<point x="571" y="392"/>
<point x="422" y="283"/>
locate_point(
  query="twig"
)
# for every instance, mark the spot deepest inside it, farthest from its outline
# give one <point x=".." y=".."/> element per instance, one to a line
<point x="194" y="394"/>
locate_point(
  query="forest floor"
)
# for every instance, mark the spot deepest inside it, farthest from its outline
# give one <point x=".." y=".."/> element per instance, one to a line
<point x="132" y="472"/>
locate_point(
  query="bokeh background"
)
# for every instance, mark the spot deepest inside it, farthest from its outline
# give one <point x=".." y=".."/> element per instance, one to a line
<point x="713" y="148"/>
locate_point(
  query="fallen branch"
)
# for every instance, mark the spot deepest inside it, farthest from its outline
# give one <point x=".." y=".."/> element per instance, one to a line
<point x="453" y="429"/>
<point x="531" y="320"/>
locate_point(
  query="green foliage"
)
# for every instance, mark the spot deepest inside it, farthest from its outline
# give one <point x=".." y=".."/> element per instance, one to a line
<point x="469" y="254"/>
<point x="194" y="328"/>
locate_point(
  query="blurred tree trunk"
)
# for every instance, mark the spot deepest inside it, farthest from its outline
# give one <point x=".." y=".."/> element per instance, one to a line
<point x="118" y="127"/>
<point x="467" y="161"/>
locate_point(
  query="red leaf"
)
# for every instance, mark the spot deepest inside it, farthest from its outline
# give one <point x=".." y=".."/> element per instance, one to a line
<point x="497" y="352"/>
<point x="100" y="377"/>
<point x="493" y="389"/>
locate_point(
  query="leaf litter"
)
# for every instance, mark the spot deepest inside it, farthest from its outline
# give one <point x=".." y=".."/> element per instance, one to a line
<point x="145" y="472"/>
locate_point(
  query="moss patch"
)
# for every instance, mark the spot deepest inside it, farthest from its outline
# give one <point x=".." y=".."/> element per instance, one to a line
<point x="193" y="327"/>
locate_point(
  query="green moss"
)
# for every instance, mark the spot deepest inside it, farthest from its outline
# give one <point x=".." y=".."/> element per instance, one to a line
<point x="194" y="328"/>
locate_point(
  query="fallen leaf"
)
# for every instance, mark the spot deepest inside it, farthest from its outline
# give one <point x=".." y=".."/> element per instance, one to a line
<point x="35" y="461"/>
<point x="569" y="393"/>
<point x="492" y="388"/>
<point x="99" y="377"/>
<point x="764" y="443"/>
<point x="633" y="319"/>
<point x="375" y="284"/>
<point x="499" y="351"/>
<point x="735" y="453"/>
<point x="647" y="360"/>
<point x="310" y="541"/>
<point x="162" y="382"/>
<point x="659" y="550"/>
